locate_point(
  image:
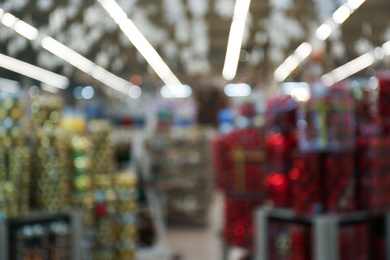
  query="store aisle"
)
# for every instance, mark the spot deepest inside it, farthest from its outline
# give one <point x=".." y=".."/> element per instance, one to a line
<point x="191" y="243"/>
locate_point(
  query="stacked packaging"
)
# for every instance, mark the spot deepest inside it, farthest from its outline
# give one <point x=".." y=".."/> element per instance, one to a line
<point x="328" y="155"/>
<point x="294" y="241"/>
<point x="239" y="160"/>
<point x="14" y="158"/>
<point x="50" y="155"/>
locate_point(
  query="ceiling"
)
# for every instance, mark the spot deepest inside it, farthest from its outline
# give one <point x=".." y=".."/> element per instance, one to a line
<point x="191" y="36"/>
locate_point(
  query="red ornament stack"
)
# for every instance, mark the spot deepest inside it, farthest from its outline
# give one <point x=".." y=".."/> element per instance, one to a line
<point x="222" y="161"/>
<point x="289" y="241"/>
<point x="279" y="154"/>
<point x="306" y="183"/>
<point x="354" y="242"/>
<point x="374" y="175"/>
<point x="238" y="228"/>
<point x="323" y="182"/>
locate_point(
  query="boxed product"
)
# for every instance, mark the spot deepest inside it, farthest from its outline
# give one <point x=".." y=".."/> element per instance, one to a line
<point x="323" y="182"/>
<point x="238" y="229"/>
<point x="327" y="123"/>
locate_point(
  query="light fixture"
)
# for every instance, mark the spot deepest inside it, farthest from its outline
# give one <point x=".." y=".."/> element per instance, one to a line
<point x="236" y="35"/>
<point x="341" y="14"/>
<point x="49" y="88"/>
<point x="355" y="4"/>
<point x="293" y="61"/>
<point x="71" y="56"/>
<point x="88" y="92"/>
<point x="356" y="65"/>
<point x="349" y="69"/>
<point x="386" y="48"/>
<point x="142" y="45"/>
<point x="300" y="94"/>
<point x="19" y="26"/>
<point x="237" y="90"/>
<point x="322" y="33"/>
<point x="183" y="92"/>
<point x="9" y="86"/>
<point x="33" y="72"/>
<point x="288" y="87"/>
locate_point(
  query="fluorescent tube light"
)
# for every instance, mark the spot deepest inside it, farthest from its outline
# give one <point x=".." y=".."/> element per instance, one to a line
<point x="33" y="72"/>
<point x="49" y="88"/>
<point x="341" y="14"/>
<point x="141" y="44"/>
<point x="322" y="33"/>
<point x="236" y="35"/>
<point x="288" y="87"/>
<point x="386" y="48"/>
<point x="293" y="61"/>
<point x="8" y="20"/>
<point x="182" y="92"/>
<point x="9" y="86"/>
<point x="355" y="4"/>
<point x="349" y="69"/>
<point x="237" y="90"/>
<point x="71" y="56"/>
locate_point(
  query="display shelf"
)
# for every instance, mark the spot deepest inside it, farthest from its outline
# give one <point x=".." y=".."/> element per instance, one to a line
<point x="141" y="161"/>
<point x="73" y="219"/>
<point x="325" y="231"/>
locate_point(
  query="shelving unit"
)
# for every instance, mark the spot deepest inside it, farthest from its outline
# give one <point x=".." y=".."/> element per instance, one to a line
<point x="325" y="230"/>
<point x="74" y="219"/>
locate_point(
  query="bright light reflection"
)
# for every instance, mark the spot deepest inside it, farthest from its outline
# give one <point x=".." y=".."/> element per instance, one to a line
<point x="237" y="90"/>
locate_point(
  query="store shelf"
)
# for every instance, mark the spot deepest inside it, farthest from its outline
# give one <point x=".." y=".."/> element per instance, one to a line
<point x="325" y="231"/>
<point x="74" y="219"/>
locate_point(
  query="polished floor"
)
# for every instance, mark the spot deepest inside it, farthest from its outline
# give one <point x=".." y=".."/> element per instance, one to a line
<point x="204" y="243"/>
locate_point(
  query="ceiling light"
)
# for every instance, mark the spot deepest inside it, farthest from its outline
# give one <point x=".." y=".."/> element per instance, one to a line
<point x="236" y="35"/>
<point x="135" y="92"/>
<point x="355" y="4"/>
<point x="77" y="92"/>
<point x="8" y="20"/>
<point x="70" y="56"/>
<point x="288" y="87"/>
<point x="88" y="92"/>
<point x="293" y="61"/>
<point x="303" y="51"/>
<point x="386" y="48"/>
<point x="26" y="30"/>
<point x="33" y="72"/>
<point x="324" y="31"/>
<point x="49" y="88"/>
<point x="10" y="86"/>
<point x="300" y="94"/>
<point x="348" y="69"/>
<point x="341" y="14"/>
<point x="182" y="92"/>
<point x="67" y="54"/>
<point x="237" y="90"/>
<point x="141" y="44"/>
<point x="379" y="53"/>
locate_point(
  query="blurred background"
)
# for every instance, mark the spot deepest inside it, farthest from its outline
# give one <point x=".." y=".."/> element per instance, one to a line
<point x="194" y="129"/>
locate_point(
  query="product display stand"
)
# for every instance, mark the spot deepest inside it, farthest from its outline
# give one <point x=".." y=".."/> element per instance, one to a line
<point x="325" y="230"/>
<point x="140" y="159"/>
<point x="75" y="220"/>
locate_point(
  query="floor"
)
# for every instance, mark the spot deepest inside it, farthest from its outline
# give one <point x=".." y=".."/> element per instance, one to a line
<point x="199" y="243"/>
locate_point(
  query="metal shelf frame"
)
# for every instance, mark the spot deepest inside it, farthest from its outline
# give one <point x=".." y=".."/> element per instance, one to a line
<point x="75" y="219"/>
<point x="325" y="230"/>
